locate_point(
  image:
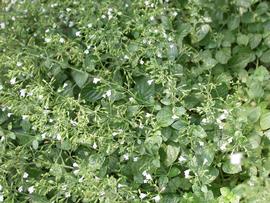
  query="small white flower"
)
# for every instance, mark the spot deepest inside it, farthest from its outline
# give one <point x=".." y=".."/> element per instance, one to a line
<point x="47" y="40"/>
<point x="25" y="175"/>
<point x="126" y="57"/>
<point x="20" y="189"/>
<point x="152" y="18"/>
<point x="76" y="172"/>
<point x="148" y="115"/>
<point x="223" y="147"/>
<point x="22" y="92"/>
<point x="95" y="145"/>
<point x="171" y="46"/>
<point x="159" y="55"/>
<point x="19" y="64"/>
<point x="1" y="198"/>
<point x="150" y="82"/>
<point x="126" y="157"/>
<point x="9" y="114"/>
<point x="182" y="159"/>
<point x="43" y="136"/>
<point x="74" y="123"/>
<point x="67" y="194"/>
<point x="68" y="9"/>
<point x="174" y="117"/>
<point x="143" y="195"/>
<point x="109" y="93"/>
<point x="1" y="87"/>
<point x="156" y="198"/>
<point x="235" y="159"/>
<point x="86" y="51"/>
<point x="58" y="137"/>
<point x="78" y="33"/>
<point x="96" y="80"/>
<point x="81" y="179"/>
<point x="2" y="25"/>
<point x="146" y="3"/>
<point x="103" y="16"/>
<point x="31" y="189"/>
<point x="75" y="165"/>
<point x="141" y="62"/>
<point x="186" y="172"/>
<point x="12" y="81"/>
<point x="62" y="40"/>
<point x="131" y="99"/>
<point x="126" y="5"/>
<point x="175" y="13"/>
<point x="71" y="24"/>
<point x="90" y="25"/>
<point x="65" y="85"/>
<point x="1" y="187"/>
<point x="205" y="161"/>
<point x="135" y="159"/>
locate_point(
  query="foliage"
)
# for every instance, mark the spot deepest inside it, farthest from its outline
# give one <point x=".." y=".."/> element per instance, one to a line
<point x="130" y="101"/>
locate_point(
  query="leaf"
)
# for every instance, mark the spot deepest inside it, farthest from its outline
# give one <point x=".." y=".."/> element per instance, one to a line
<point x="233" y="22"/>
<point x="90" y="93"/>
<point x="255" y="90"/>
<point x="172" y="51"/>
<point x="265" y="121"/>
<point x="198" y="131"/>
<point x="229" y="168"/>
<point x="202" y="31"/>
<point x="143" y="88"/>
<point x="223" y="55"/>
<point x="171" y="154"/>
<point x="255" y="40"/>
<point x="254" y="114"/>
<point x="79" y="77"/>
<point x="164" y="117"/>
<point x="265" y="58"/>
<point x="242" y="39"/>
<point x="241" y="58"/>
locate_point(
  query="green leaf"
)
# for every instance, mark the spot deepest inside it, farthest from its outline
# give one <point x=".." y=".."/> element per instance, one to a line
<point x="164" y="117"/>
<point x="171" y="154"/>
<point x="79" y="77"/>
<point x="229" y="168"/>
<point x="255" y="40"/>
<point x="254" y="114"/>
<point x="242" y="39"/>
<point x="233" y="22"/>
<point x="265" y="121"/>
<point x="223" y="55"/>
<point x="255" y="90"/>
<point x="198" y="131"/>
<point x="241" y="58"/>
<point x="202" y="31"/>
<point x="265" y="58"/>
<point x="90" y="93"/>
<point x="143" y="88"/>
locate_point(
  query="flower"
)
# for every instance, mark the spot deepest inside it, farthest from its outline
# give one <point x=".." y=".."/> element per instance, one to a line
<point x="126" y="157"/>
<point x="25" y="175"/>
<point x="78" y="33"/>
<point x="31" y="189"/>
<point x="1" y="198"/>
<point x="47" y="40"/>
<point x="1" y="187"/>
<point x="86" y="51"/>
<point x="96" y="80"/>
<point x="135" y="159"/>
<point x="150" y="82"/>
<point x="186" y="172"/>
<point x="89" y="25"/>
<point x="19" y="64"/>
<point x="147" y="176"/>
<point x="142" y="195"/>
<point x="2" y="25"/>
<point x="75" y="165"/>
<point x="95" y="145"/>
<point x="62" y="40"/>
<point x="235" y="158"/>
<point x="12" y="81"/>
<point x="174" y="117"/>
<point x="20" y="189"/>
<point x="182" y="159"/>
<point x="156" y="198"/>
<point x="22" y="92"/>
<point x="141" y="62"/>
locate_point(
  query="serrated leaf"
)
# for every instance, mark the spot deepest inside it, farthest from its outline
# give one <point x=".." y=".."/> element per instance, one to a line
<point x="265" y="121"/>
<point x="164" y="117"/>
<point x="265" y="58"/>
<point x="202" y="31"/>
<point x="171" y="154"/>
<point x="144" y="88"/>
<point x="223" y="55"/>
<point x="79" y="77"/>
<point x="255" y="40"/>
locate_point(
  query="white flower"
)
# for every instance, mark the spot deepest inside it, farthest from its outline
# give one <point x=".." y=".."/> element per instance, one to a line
<point x="19" y="64"/>
<point x="126" y="57"/>
<point x="131" y="99"/>
<point x="159" y="55"/>
<point x="171" y="46"/>
<point x="2" y="25"/>
<point x="205" y="161"/>
<point x="68" y="9"/>
<point x="143" y="195"/>
<point x="126" y="157"/>
<point x="109" y="93"/>
<point x="62" y="40"/>
<point x="95" y="145"/>
<point x="9" y="114"/>
<point x="76" y="172"/>
<point x="20" y="189"/>
<point x="186" y="172"/>
<point x="148" y="115"/>
<point x="25" y="175"/>
<point x="152" y="18"/>
<point x="74" y="123"/>
<point x="89" y="25"/>
<point x="75" y="165"/>
<point x="181" y="159"/>
<point x="58" y="137"/>
<point x="78" y="33"/>
<point x="135" y="159"/>
<point x="31" y="189"/>
<point x="1" y="198"/>
<point x="236" y="158"/>
<point x="141" y="62"/>
<point x="47" y="40"/>
<point x="175" y="13"/>
<point x="65" y="85"/>
<point x="146" y="3"/>
<point x="156" y="198"/>
<point x="1" y="87"/>
<point x="22" y="92"/>
<point x="1" y="187"/>
<point x="150" y="82"/>
<point x="86" y="51"/>
<point x="223" y="147"/>
<point x="67" y="194"/>
<point x="96" y="80"/>
<point x="174" y="117"/>
<point x="81" y="179"/>
<point x="12" y="81"/>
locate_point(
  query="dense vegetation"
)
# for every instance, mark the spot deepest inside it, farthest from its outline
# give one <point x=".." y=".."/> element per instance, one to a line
<point x="135" y="101"/>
